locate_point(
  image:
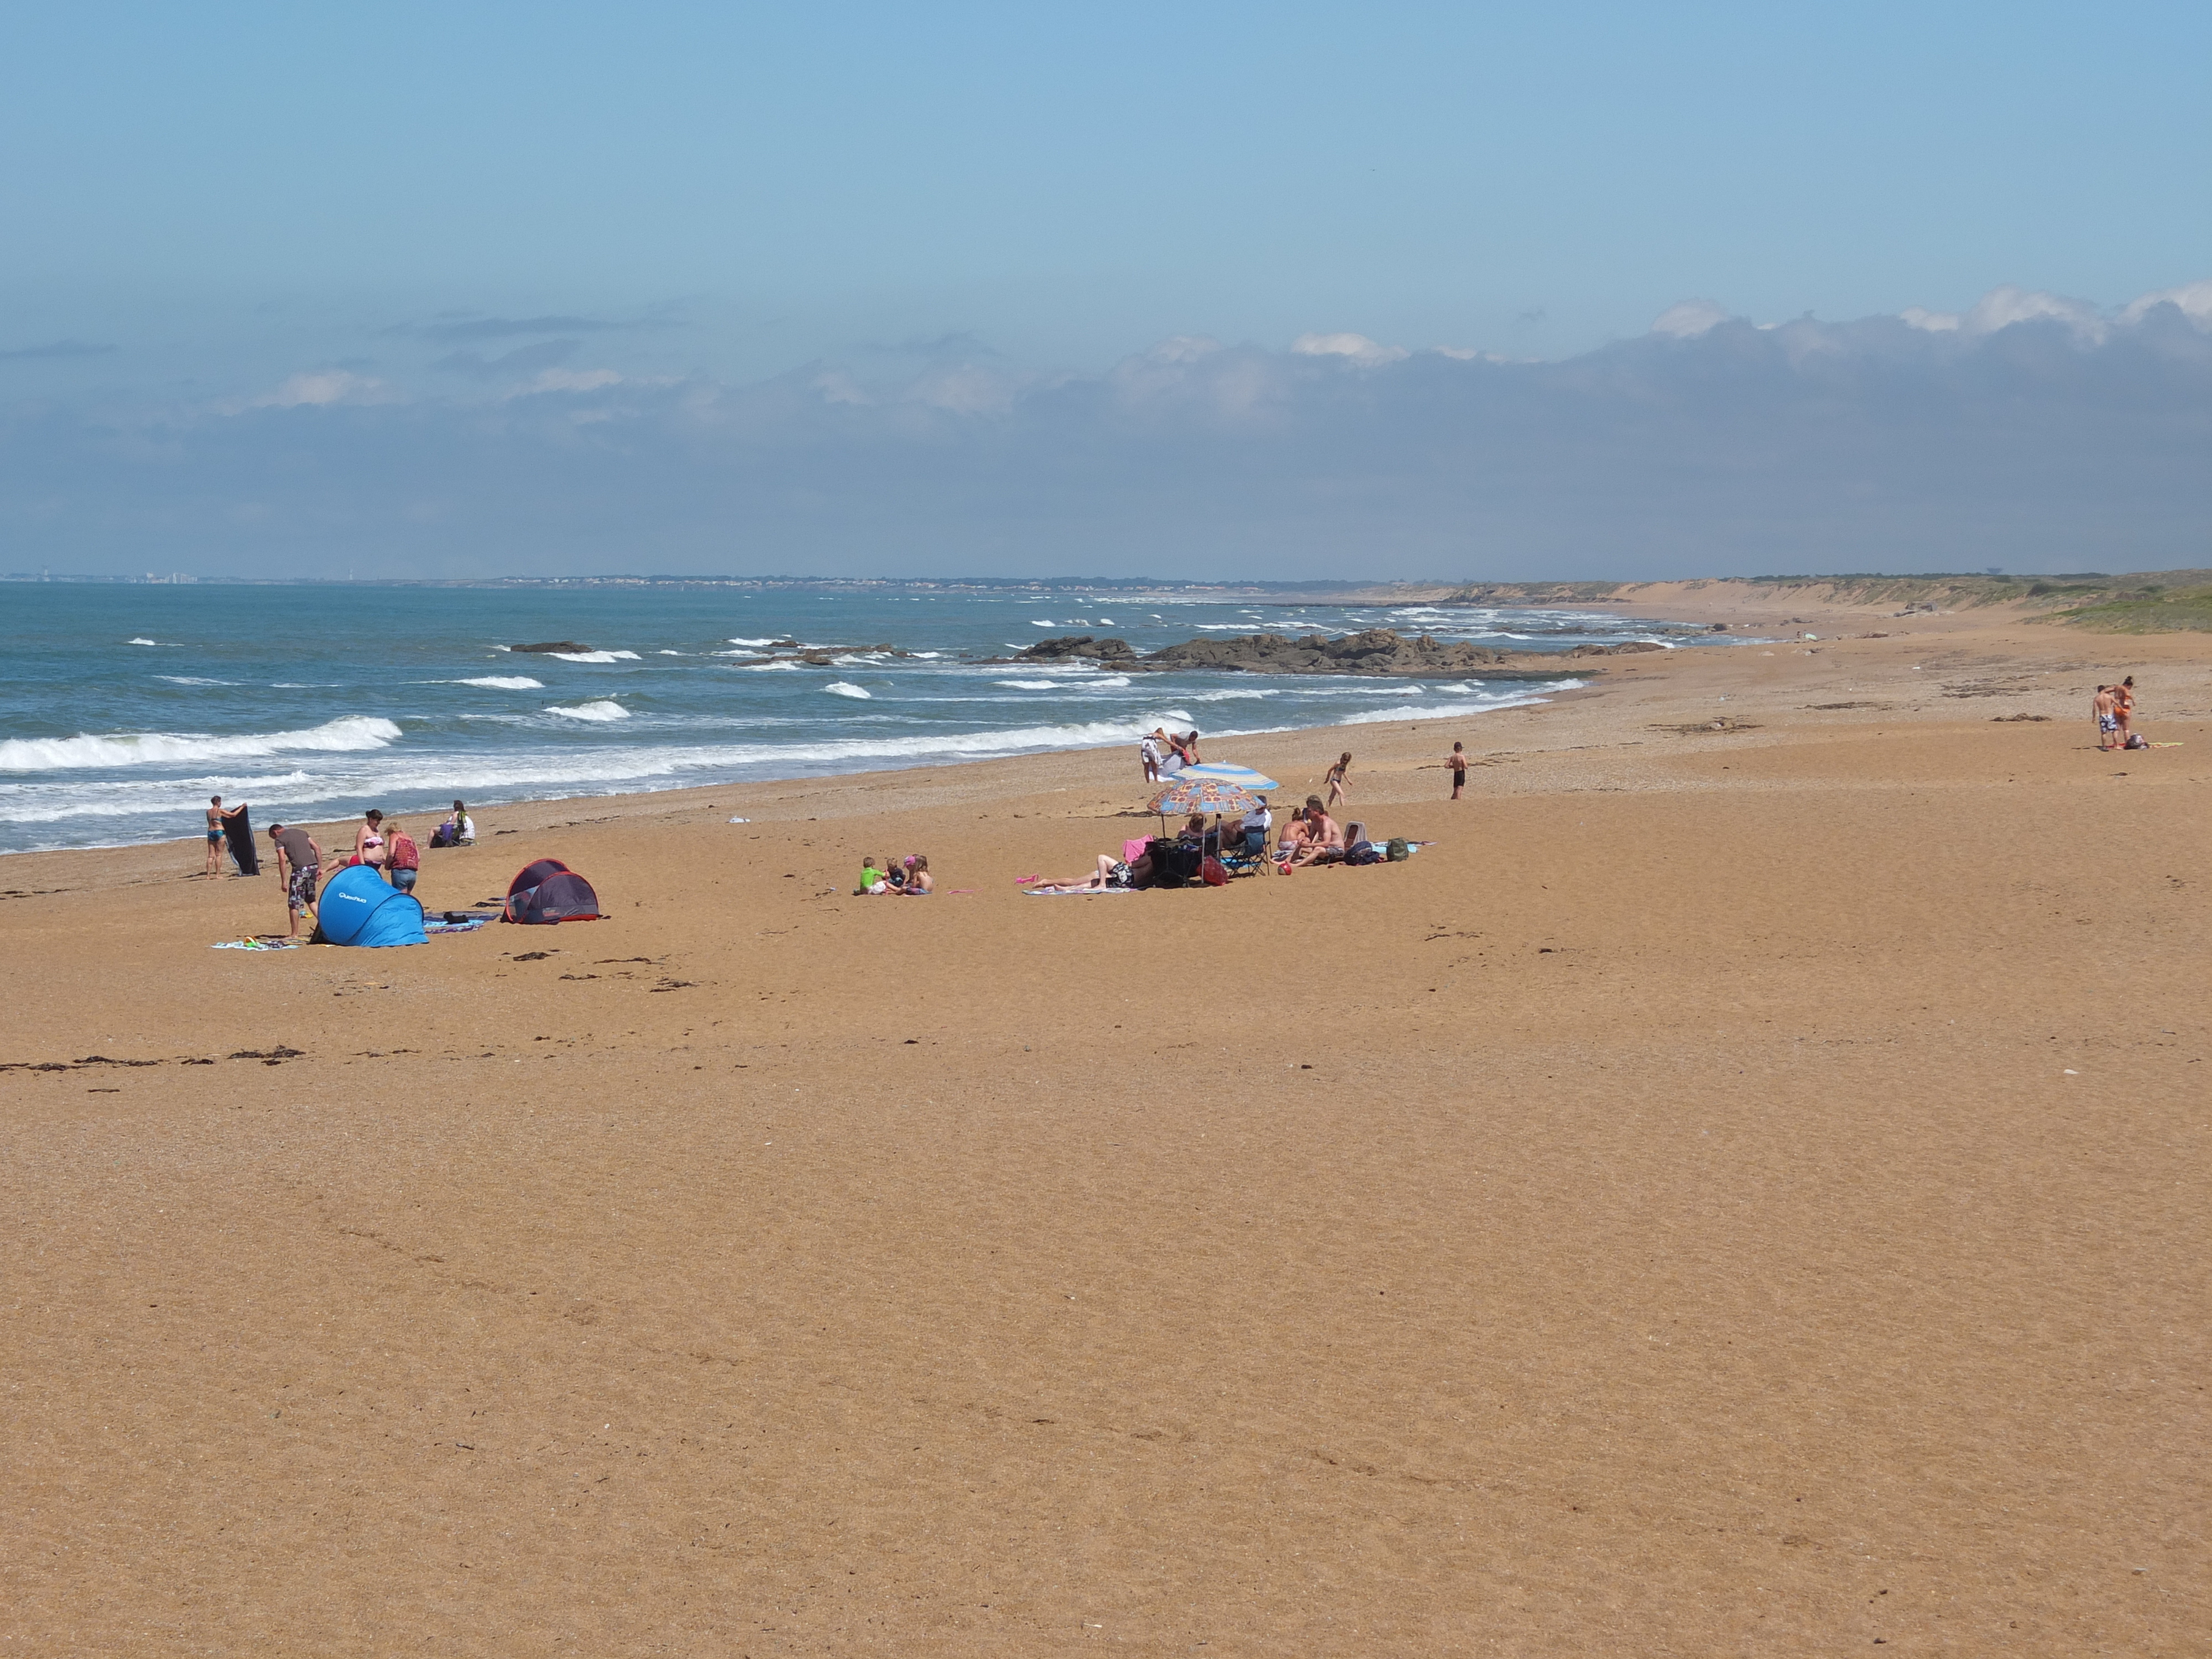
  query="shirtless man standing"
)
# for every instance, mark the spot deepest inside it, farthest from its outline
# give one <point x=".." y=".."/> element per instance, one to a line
<point x="1457" y="762"/>
<point x="2105" y="705"/>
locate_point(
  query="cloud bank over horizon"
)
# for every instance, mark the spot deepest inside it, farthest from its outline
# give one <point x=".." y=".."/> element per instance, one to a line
<point x="2031" y="430"/>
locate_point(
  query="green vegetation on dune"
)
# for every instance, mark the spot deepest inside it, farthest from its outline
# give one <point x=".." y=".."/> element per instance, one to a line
<point x="2155" y="609"/>
<point x="2146" y="602"/>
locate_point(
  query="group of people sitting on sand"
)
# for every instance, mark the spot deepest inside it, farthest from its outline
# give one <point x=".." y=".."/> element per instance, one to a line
<point x="908" y="876"/>
<point x="1311" y="837"/>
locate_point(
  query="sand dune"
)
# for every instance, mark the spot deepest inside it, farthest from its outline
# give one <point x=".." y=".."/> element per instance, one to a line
<point x="1737" y="1190"/>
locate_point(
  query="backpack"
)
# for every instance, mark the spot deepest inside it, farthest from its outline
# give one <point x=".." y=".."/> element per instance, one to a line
<point x="404" y="854"/>
<point x="1398" y="851"/>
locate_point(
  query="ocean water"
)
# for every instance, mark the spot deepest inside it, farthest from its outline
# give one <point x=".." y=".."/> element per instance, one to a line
<point x="122" y="708"/>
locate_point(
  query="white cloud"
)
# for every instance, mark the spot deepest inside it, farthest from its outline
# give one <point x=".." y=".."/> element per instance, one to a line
<point x="1930" y="322"/>
<point x="2194" y="299"/>
<point x="2001" y="308"/>
<point x="1185" y="348"/>
<point x="966" y="390"/>
<point x="319" y="388"/>
<point x="1691" y="319"/>
<point x="1357" y="347"/>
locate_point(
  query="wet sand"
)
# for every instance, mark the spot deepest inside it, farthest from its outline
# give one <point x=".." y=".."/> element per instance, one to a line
<point x="1738" y="1190"/>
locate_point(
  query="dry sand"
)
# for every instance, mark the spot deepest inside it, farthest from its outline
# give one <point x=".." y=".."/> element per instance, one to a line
<point x="1738" y="1191"/>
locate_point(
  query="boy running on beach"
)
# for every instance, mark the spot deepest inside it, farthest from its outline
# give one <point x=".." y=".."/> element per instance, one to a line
<point x="1457" y="762"/>
<point x="2104" y="706"/>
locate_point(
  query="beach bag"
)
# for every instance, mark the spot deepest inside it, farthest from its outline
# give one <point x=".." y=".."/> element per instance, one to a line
<point x="1213" y="874"/>
<point x="2137" y="740"/>
<point x="1363" y="852"/>
<point x="443" y="836"/>
<point x="1398" y="851"/>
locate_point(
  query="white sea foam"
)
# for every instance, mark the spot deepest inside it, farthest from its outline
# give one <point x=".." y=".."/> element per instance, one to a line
<point x="770" y="640"/>
<point x="595" y="656"/>
<point x="142" y="642"/>
<point x="843" y="689"/>
<point x="1109" y="680"/>
<point x="353" y="731"/>
<point x="605" y="709"/>
<point x="503" y="683"/>
<point x="1509" y="700"/>
<point x="1029" y="685"/>
<point x="781" y="662"/>
<point x="668" y="654"/>
<point x="187" y="680"/>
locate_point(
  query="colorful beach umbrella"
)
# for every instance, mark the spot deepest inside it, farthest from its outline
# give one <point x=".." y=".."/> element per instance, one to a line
<point x="1189" y="792"/>
<point x="1243" y="776"/>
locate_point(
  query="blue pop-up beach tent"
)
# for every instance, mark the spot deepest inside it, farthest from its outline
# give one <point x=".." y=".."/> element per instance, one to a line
<point x="357" y="907"/>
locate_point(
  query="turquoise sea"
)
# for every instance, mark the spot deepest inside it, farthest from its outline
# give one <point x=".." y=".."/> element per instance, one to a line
<point x="124" y="708"/>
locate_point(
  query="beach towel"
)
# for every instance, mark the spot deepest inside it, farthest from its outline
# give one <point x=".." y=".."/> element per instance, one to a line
<point x="256" y="944"/>
<point x="1076" y="892"/>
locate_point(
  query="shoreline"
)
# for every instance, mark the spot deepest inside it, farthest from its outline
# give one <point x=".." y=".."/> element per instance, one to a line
<point x="1599" y="676"/>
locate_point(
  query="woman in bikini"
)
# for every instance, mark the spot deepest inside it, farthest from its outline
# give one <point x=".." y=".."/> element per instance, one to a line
<point x="1335" y="781"/>
<point x="368" y="840"/>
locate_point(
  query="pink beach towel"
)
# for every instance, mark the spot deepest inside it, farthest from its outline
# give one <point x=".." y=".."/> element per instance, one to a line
<point x="1135" y="848"/>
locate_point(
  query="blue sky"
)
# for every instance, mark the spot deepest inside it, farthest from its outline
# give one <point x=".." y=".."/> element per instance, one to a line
<point x="253" y="254"/>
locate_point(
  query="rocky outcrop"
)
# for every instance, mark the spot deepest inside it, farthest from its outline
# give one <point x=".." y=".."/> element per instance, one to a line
<point x="1069" y="646"/>
<point x="1380" y="651"/>
<point x="551" y="645"/>
<point x="1375" y="651"/>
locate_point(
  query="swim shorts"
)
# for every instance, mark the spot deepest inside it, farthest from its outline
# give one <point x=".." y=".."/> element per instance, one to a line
<point x="2108" y="722"/>
<point x="302" y="893"/>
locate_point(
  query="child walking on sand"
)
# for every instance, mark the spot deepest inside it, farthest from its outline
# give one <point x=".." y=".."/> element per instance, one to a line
<point x="1457" y="762"/>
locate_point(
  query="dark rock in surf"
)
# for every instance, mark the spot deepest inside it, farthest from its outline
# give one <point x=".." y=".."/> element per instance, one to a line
<point x="1064" y="647"/>
<point x="551" y="645"/>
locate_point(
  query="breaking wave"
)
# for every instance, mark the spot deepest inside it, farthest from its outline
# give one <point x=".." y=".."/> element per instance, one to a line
<point x="353" y="731"/>
<point x="603" y="708"/>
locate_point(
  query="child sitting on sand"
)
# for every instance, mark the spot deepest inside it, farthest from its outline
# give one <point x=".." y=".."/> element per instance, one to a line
<point x="920" y="883"/>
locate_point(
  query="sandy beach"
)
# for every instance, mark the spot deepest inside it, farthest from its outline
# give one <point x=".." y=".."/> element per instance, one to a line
<point x="1740" y="1188"/>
